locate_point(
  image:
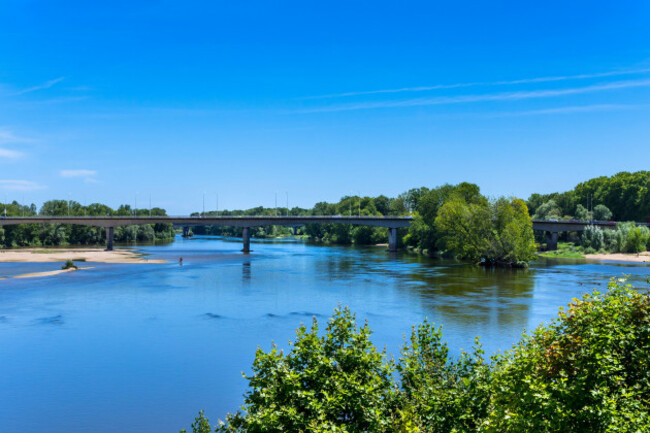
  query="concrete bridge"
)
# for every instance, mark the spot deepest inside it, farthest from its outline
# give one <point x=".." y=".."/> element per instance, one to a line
<point x="552" y="228"/>
<point x="245" y="222"/>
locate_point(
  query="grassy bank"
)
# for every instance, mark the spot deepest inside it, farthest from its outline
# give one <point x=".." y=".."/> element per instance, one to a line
<point x="565" y="250"/>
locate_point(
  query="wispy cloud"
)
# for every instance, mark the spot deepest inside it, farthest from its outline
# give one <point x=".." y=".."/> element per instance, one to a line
<point x="7" y="136"/>
<point x="574" y="109"/>
<point x="10" y="154"/>
<point x="20" y="185"/>
<point x="42" y="86"/>
<point x="482" y="83"/>
<point x="78" y="173"/>
<point x="503" y="96"/>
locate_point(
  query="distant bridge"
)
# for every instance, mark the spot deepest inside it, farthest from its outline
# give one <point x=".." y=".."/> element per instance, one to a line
<point x="552" y="228"/>
<point x="245" y="222"/>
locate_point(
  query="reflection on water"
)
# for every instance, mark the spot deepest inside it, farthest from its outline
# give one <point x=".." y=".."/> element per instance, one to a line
<point x="142" y="347"/>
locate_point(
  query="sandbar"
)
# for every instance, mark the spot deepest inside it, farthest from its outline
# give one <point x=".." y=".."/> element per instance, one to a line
<point x="620" y="257"/>
<point x="44" y="255"/>
<point x="49" y="273"/>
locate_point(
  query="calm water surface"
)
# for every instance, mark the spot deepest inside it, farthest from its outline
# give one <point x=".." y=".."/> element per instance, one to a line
<point x="141" y="348"/>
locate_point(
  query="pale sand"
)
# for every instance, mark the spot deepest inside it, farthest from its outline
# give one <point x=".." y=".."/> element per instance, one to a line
<point x="40" y="255"/>
<point x="49" y="273"/>
<point x="620" y="257"/>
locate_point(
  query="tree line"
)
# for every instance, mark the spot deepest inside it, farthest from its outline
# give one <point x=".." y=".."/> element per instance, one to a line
<point x="24" y="235"/>
<point x="622" y="197"/>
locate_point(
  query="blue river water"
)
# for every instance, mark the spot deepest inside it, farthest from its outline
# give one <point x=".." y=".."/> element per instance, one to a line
<point x="143" y="347"/>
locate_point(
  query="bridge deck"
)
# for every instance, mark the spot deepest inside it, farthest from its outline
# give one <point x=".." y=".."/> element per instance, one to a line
<point x="238" y="221"/>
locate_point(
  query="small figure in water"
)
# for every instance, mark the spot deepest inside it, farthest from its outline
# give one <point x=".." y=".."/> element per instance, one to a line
<point x="180" y="261"/>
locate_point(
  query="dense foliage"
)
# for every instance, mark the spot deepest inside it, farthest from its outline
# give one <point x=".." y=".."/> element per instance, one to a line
<point x="587" y="370"/>
<point x="622" y="197"/>
<point x="334" y="382"/>
<point x="491" y="233"/>
<point x="626" y="238"/>
<point x="65" y="234"/>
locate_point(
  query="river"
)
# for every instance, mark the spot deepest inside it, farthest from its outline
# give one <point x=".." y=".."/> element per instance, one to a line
<point x="143" y="347"/>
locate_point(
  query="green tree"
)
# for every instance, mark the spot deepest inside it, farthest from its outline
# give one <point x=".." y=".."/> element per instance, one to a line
<point x="593" y="237"/>
<point x="582" y="214"/>
<point x="337" y="382"/>
<point x="602" y="213"/>
<point x="497" y="233"/>
<point x="548" y="210"/>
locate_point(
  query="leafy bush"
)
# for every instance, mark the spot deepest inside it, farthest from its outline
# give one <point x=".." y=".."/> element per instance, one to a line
<point x="335" y="382"/>
<point x="592" y="237"/>
<point x="586" y="371"/>
<point x="611" y="240"/>
<point x="69" y="264"/>
<point x="443" y="395"/>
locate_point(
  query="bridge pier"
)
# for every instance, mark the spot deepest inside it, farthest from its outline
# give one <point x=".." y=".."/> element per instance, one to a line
<point x="392" y="239"/>
<point x="551" y="241"/>
<point x="246" y="238"/>
<point x="110" y="234"/>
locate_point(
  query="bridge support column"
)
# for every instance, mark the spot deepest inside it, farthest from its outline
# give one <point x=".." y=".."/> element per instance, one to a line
<point x="110" y="233"/>
<point x="186" y="231"/>
<point x="551" y="241"/>
<point x="392" y="239"/>
<point x="246" y="239"/>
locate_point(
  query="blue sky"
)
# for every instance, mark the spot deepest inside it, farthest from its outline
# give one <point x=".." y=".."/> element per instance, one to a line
<point x="106" y="102"/>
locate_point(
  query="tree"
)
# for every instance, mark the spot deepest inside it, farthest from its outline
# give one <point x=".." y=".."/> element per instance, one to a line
<point x="497" y="233"/>
<point x="592" y="237"/>
<point x="335" y="382"/>
<point x="602" y="213"/>
<point x="547" y="211"/>
<point x="582" y="214"/>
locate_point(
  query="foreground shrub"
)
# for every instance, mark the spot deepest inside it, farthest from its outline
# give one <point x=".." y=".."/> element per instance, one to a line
<point x="442" y="394"/>
<point x="337" y="382"/>
<point x="586" y="371"/>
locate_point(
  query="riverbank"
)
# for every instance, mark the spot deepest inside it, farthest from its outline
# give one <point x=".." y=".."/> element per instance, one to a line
<point x="621" y="257"/>
<point x="43" y="255"/>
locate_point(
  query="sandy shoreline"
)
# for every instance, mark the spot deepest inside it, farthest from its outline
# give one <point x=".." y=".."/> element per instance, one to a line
<point x="620" y="257"/>
<point x="44" y="255"/>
